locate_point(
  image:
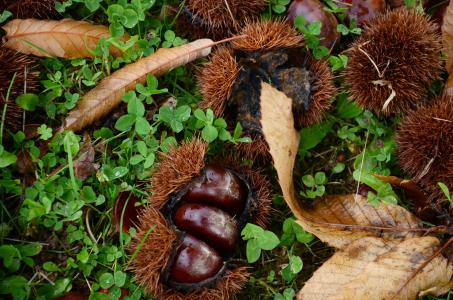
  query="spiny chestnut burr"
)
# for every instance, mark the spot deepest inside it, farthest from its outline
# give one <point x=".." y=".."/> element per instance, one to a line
<point x="394" y="61"/>
<point x="425" y="146"/>
<point x="272" y="51"/>
<point x="25" y="9"/>
<point x="27" y="79"/>
<point x="217" y="19"/>
<point x="196" y="212"/>
<point x="313" y="11"/>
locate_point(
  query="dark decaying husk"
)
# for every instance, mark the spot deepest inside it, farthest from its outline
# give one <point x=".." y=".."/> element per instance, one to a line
<point x="26" y="77"/>
<point x="425" y="150"/>
<point x="25" y="9"/>
<point x="405" y="46"/>
<point x="272" y="51"/>
<point x="217" y="19"/>
<point x="171" y="178"/>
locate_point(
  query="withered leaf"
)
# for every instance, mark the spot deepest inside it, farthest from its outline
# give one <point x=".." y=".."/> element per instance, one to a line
<point x="381" y="252"/>
<point x="447" y="39"/>
<point x="340" y="219"/>
<point x="277" y="124"/>
<point x="84" y="165"/>
<point x="107" y="95"/>
<point x="375" y="268"/>
<point x="48" y="38"/>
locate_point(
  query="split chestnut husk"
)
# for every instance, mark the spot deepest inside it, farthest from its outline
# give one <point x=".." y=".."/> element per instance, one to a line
<point x="272" y="51"/>
<point x="194" y="218"/>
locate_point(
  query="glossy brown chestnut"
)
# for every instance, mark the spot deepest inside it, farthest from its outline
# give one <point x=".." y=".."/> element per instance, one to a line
<point x="210" y="224"/>
<point x="220" y="188"/>
<point x="130" y="218"/>
<point x="195" y="261"/>
<point x="364" y="10"/>
<point x="312" y="11"/>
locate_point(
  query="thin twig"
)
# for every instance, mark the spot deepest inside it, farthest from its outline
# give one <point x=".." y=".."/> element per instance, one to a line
<point x="87" y="222"/>
<point x="426" y="169"/>
<point x="371" y="60"/>
<point x="392" y="93"/>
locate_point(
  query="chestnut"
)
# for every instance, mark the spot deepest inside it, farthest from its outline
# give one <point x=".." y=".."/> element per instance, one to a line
<point x="195" y="261"/>
<point x="312" y="11"/>
<point x="130" y="218"/>
<point x="210" y="224"/>
<point x="365" y="10"/>
<point x="218" y="187"/>
<point x="190" y="252"/>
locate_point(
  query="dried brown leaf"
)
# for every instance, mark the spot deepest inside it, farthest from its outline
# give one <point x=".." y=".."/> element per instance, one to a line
<point x="374" y="268"/>
<point x="447" y="40"/>
<point x="277" y="123"/>
<point x="107" y="95"/>
<point x="381" y="252"/>
<point x="340" y="219"/>
<point x="48" y="38"/>
<point x="84" y="165"/>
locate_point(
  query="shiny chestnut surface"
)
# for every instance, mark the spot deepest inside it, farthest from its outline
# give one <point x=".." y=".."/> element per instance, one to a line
<point x="207" y="214"/>
<point x="312" y="11"/>
<point x="195" y="261"/>
<point x="365" y="10"/>
<point x="218" y="187"/>
<point x="210" y="224"/>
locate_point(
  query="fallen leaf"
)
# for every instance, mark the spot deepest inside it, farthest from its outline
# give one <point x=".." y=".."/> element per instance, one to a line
<point x="382" y="254"/>
<point x="48" y="38"/>
<point x="84" y="165"/>
<point x="424" y="209"/>
<point x="277" y="124"/>
<point x="447" y="40"/>
<point x="340" y="219"/>
<point x="107" y="95"/>
<point x="374" y="268"/>
<point x="335" y="220"/>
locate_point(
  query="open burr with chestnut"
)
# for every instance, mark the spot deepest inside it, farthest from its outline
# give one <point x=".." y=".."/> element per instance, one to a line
<point x="189" y="235"/>
<point x="271" y="51"/>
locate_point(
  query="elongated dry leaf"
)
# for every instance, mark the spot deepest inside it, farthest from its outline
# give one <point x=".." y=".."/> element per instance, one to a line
<point x="339" y="220"/>
<point x="447" y="39"/>
<point x="107" y="95"/>
<point x="47" y="38"/>
<point x="373" y="268"/>
<point x="277" y="124"/>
